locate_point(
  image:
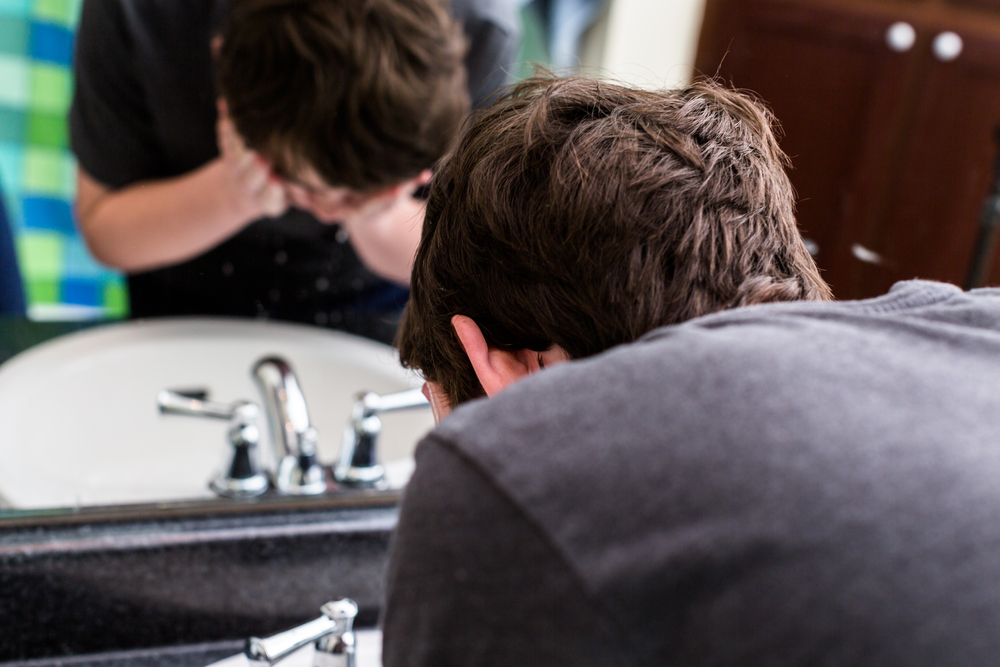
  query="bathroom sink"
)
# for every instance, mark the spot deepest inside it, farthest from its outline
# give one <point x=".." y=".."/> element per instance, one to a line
<point x="79" y="423"/>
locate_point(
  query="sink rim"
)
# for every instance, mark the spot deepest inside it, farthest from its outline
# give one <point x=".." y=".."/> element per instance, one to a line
<point x="58" y="517"/>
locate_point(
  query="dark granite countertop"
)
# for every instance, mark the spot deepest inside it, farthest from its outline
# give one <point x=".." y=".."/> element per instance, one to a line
<point x="190" y="655"/>
<point x="126" y="578"/>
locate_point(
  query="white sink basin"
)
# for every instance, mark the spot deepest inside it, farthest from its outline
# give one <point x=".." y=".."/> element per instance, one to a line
<point x="79" y="423"/>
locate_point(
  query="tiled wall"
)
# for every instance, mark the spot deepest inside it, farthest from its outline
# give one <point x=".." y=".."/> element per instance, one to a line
<point x="37" y="171"/>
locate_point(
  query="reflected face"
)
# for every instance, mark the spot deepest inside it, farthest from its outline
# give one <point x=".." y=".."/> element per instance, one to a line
<point x="331" y="203"/>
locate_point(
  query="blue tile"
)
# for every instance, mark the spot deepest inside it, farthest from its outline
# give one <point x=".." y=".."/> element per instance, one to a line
<point x="11" y="166"/>
<point x="82" y="292"/>
<point x="78" y="263"/>
<point x="47" y="213"/>
<point x="51" y="43"/>
<point x="20" y="8"/>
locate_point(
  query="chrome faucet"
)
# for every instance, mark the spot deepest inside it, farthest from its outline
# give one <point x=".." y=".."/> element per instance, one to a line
<point x="333" y="633"/>
<point x="293" y="437"/>
<point x="358" y="463"/>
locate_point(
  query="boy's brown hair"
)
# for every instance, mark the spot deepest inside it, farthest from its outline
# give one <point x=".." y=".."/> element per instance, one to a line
<point x="369" y="93"/>
<point x="583" y="214"/>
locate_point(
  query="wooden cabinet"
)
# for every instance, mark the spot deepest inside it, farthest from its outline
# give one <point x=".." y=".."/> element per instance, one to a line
<point x="889" y="110"/>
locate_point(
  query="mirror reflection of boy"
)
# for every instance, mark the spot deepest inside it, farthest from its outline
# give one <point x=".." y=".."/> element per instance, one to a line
<point x="214" y="180"/>
<point x="689" y="454"/>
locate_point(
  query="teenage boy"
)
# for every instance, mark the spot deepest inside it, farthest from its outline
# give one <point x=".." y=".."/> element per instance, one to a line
<point x="218" y="139"/>
<point x="710" y="463"/>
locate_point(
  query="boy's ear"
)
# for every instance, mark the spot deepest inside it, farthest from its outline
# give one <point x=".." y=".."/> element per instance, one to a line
<point x="495" y="368"/>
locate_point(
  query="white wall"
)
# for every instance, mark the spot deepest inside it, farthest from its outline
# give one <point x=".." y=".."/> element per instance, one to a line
<point x="650" y="43"/>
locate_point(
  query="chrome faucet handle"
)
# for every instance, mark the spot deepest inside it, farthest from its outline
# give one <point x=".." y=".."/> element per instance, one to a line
<point x="178" y="403"/>
<point x="358" y="463"/>
<point x="294" y="439"/>
<point x="337" y="649"/>
<point x="333" y="633"/>
<point x="244" y="478"/>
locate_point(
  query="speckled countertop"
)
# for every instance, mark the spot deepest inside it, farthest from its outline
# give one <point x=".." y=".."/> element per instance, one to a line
<point x="119" y="578"/>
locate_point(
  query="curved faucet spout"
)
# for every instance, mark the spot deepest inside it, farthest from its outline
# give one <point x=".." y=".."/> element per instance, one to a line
<point x="292" y="435"/>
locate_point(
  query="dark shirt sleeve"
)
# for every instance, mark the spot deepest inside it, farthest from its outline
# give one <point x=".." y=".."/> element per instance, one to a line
<point x="493" y="47"/>
<point x="111" y="128"/>
<point x="472" y="582"/>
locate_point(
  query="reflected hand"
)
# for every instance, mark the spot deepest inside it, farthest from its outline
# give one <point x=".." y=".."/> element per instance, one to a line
<point x="251" y="188"/>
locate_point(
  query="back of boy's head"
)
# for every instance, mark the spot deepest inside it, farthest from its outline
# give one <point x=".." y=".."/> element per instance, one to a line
<point x="584" y="214"/>
<point x="369" y="93"/>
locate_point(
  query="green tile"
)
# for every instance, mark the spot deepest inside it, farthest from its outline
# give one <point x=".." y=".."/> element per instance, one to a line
<point x="12" y="128"/>
<point x="51" y="88"/>
<point x="68" y="176"/>
<point x="74" y="11"/>
<point x="14" y="72"/>
<point x="14" y="36"/>
<point x="45" y="172"/>
<point x="55" y="11"/>
<point x="41" y="290"/>
<point x="116" y="299"/>
<point x="48" y="130"/>
<point x="534" y="48"/>
<point x="40" y="255"/>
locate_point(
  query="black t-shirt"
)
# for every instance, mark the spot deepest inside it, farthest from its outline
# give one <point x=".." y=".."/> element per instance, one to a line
<point x="144" y="109"/>
<point x="784" y="485"/>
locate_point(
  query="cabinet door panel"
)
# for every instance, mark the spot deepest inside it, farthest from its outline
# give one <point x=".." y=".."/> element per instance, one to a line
<point x="836" y="89"/>
<point x="991" y="5"/>
<point x="946" y="167"/>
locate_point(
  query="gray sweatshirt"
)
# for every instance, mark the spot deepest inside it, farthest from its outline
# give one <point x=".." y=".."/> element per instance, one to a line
<point x="789" y="484"/>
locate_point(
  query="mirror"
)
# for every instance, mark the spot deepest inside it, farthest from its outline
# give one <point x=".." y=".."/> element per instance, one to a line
<point x="46" y="445"/>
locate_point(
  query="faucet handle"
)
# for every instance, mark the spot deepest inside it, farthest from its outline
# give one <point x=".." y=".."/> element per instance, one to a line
<point x="184" y="403"/>
<point x="332" y="632"/>
<point x="244" y="478"/>
<point x="337" y="649"/>
<point x="358" y="463"/>
<point x="400" y="400"/>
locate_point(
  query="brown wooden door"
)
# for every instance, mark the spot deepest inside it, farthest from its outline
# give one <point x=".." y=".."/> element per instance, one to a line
<point x="838" y="91"/>
<point x="946" y="166"/>
<point x="991" y="5"/>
